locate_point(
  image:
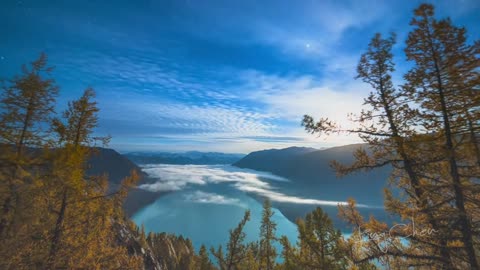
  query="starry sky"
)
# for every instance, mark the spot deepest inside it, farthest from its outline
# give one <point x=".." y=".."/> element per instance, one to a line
<point x="226" y="76"/>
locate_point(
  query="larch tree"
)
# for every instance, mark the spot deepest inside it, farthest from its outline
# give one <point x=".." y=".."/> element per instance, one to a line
<point x="27" y="104"/>
<point x="268" y="227"/>
<point x="203" y="261"/>
<point x="319" y="246"/>
<point x="236" y="248"/>
<point x="429" y="145"/>
<point x="320" y="242"/>
<point x="83" y="210"/>
<point x="74" y="135"/>
<point x="388" y="129"/>
<point x="445" y="82"/>
<point x="64" y="218"/>
<point x="252" y="257"/>
<point x="289" y="254"/>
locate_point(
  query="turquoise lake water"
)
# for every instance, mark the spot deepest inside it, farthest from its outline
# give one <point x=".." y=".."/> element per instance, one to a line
<point x="206" y="201"/>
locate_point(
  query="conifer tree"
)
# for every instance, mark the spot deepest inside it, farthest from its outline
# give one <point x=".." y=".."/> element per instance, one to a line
<point x="27" y="103"/>
<point x="251" y="260"/>
<point x="443" y="81"/>
<point x="320" y="242"/>
<point x="64" y="218"/>
<point x="445" y="74"/>
<point x="289" y="255"/>
<point x="267" y="252"/>
<point x="203" y="261"/>
<point x="432" y="149"/>
<point x="83" y="211"/>
<point x="80" y="119"/>
<point x="236" y="248"/>
<point x="388" y="128"/>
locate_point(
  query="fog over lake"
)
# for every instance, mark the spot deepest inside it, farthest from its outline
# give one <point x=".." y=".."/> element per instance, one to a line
<point x="206" y="201"/>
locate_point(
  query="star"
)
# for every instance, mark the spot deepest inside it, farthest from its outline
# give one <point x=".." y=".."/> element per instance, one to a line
<point x="307" y="45"/>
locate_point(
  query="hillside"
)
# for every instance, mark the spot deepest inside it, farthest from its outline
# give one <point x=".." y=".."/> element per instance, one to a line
<point x="109" y="162"/>
<point x="159" y="251"/>
<point x="312" y="176"/>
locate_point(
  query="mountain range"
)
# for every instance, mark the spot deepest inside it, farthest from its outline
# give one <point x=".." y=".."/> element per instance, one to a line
<point x="310" y="175"/>
<point x="310" y="170"/>
<point x="191" y="157"/>
<point x="307" y="169"/>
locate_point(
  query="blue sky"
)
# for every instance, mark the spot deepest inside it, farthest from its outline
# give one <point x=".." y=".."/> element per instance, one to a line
<point x="228" y="76"/>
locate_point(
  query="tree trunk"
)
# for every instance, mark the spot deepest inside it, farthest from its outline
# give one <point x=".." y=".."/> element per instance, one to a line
<point x="473" y="138"/>
<point x="57" y="234"/>
<point x="465" y="224"/>
<point x="408" y="164"/>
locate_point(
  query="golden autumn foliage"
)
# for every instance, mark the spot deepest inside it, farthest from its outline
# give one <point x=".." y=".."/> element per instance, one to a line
<point x="427" y="131"/>
<point x="54" y="215"/>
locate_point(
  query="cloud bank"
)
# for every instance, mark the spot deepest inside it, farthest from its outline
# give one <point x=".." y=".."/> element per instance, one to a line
<point x="177" y="177"/>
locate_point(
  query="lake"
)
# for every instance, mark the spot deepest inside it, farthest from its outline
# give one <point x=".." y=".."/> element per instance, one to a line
<point x="206" y="201"/>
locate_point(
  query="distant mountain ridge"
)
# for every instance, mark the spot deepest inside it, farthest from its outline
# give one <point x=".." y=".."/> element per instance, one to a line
<point x="312" y="175"/>
<point x="272" y="160"/>
<point x="191" y="157"/>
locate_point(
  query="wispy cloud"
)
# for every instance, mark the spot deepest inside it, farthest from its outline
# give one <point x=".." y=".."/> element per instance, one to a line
<point x="144" y="100"/>
<point x="174" y="78"/>
<point x="289" y="98"/>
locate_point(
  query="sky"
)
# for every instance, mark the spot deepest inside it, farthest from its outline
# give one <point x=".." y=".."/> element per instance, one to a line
<point x="224" y="76"/>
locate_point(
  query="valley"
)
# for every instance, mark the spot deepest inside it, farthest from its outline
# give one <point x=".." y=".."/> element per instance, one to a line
<point x="203" y="202"/>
